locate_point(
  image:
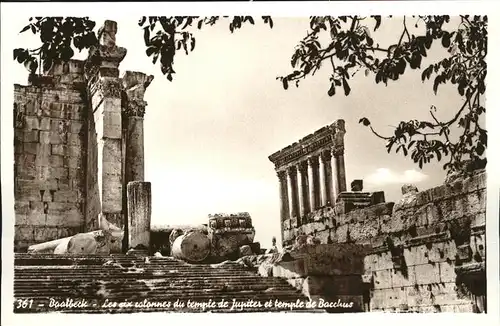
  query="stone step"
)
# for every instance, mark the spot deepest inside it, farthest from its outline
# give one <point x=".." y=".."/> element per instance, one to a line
<point x="51" y="268"/>
<point x="41" y="277"/>
<point x="95" y="292"/>
<point x="146" y="285"/>
<point x="133" y="275"/>
<point x="131" y="294"/>
<point x="123" y="282"/>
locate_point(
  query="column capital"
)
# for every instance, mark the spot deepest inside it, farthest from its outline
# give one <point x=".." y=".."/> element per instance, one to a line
<point x="281" y="175"/>
<point x="301" y="166"/>
<point x="338" y="128"/>
<point x="337" y="150"/>
<point x="110" y="87"/>
<point x="312" y="161"/>
<point x="291" y="170"/>
<point x="134" y="108"/>
<point x="324" y="156"/>
<point x="134" y="86"/>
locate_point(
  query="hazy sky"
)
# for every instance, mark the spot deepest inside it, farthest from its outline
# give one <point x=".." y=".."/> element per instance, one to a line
<point x="209" y="132"/>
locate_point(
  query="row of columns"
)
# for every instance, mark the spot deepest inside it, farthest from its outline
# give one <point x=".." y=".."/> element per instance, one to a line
<point x="312" y="183"/>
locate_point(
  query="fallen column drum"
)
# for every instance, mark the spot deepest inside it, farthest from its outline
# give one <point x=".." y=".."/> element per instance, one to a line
<point x="192" y="246"/>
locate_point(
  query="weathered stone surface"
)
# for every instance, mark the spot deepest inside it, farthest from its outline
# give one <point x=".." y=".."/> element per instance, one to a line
<point x="412" y="242"/>
<point x="139" y="213"/>
<point x="245" y="250"/>
<point x="43" y="140"/>
<point x="228" y="232"/>
<point x="193" y="246"/>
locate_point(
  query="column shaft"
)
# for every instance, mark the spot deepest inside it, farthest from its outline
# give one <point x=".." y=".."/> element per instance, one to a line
<point x="282" y="192"/>
<point x="139" y="213"/>
<point x="289" y="181"/>
<point x="283" y="203"/>
<point x="134" y="157"/>
<point x="300" y="190"/>
<point x="335" y="178"/>
<point x="341" y="173"/>
<point x="310" y="176"/>
<point x="322" y="180"/>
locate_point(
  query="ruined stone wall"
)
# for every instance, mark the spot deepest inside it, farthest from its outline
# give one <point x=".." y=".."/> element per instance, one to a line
<point x="49" y="138"/>
<point x="427" y="251"/>
<point x="73" y="159"/>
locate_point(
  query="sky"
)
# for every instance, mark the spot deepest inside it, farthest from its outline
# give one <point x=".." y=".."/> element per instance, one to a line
<point x="208" y="134"/>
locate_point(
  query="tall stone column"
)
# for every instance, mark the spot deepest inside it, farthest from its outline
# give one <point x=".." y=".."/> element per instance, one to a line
<point x="328" y="177"/>
<point x="300" y="190"/>
<point x="289" y="185"/>
<point x="104" y="88"/>
<point x="134" y="107"/>
<point x="283" y="202"/>
<point x="335" y="177"/>
<point x="311" y="181"/>
<point x="139" y="213"/>
<point x="283" y="195"/>
<point x="338" y="144"/>
<point x="322" y="179"/>
<point x="341" y="173"/>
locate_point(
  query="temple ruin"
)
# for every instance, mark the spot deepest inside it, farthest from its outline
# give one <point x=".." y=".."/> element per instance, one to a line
<point x="424" y="253"/>
<point x="80" y="193"/>
<point x="79" y="149"/>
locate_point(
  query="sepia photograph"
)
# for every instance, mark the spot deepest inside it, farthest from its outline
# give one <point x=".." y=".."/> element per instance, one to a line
<point x="239" y="164"/>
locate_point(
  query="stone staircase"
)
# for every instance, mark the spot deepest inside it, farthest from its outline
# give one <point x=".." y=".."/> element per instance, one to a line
<point x="142" y="284"/>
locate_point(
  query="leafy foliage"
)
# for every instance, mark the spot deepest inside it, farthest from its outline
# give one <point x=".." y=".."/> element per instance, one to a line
<point x="163" y="37"/>
<point x="351" y="47"/>
<point x="58" y="36"/>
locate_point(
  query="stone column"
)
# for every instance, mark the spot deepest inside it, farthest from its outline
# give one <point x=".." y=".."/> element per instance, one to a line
<point x="134" y="106"/>
<point x="338" y="144"/>
<point x="341" y="173"/>
<point x="311" y="181"/>
<point x="104" y="89"/>
<point x="289" y="185"/>
<point x="300" y="190"/>
<point x="335" y="177"/>
<point x="322" y="179"/>
<point x="328" y="177"/>
<point x="139" y="213"/>
<point x="283" y="199"/>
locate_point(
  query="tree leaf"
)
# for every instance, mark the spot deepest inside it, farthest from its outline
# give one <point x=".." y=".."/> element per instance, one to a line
<point x="150" y="50"/>
<point x="25" y="28"/>
<point x="331" y="91"/>
<point x="480" y="149"/>
<point x="378" y="21"/>
<point x="193" y="43"/>
<point x="445" y="40"/>
<point x="364" y="121"/>
<point x="285" y="83"/>
<point x="347" y="88"/>
<point x="147" y="36"/>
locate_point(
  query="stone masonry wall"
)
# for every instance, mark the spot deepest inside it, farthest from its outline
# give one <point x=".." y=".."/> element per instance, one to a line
<point x="422" y="248"/>
<point x="49" y="131"/>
